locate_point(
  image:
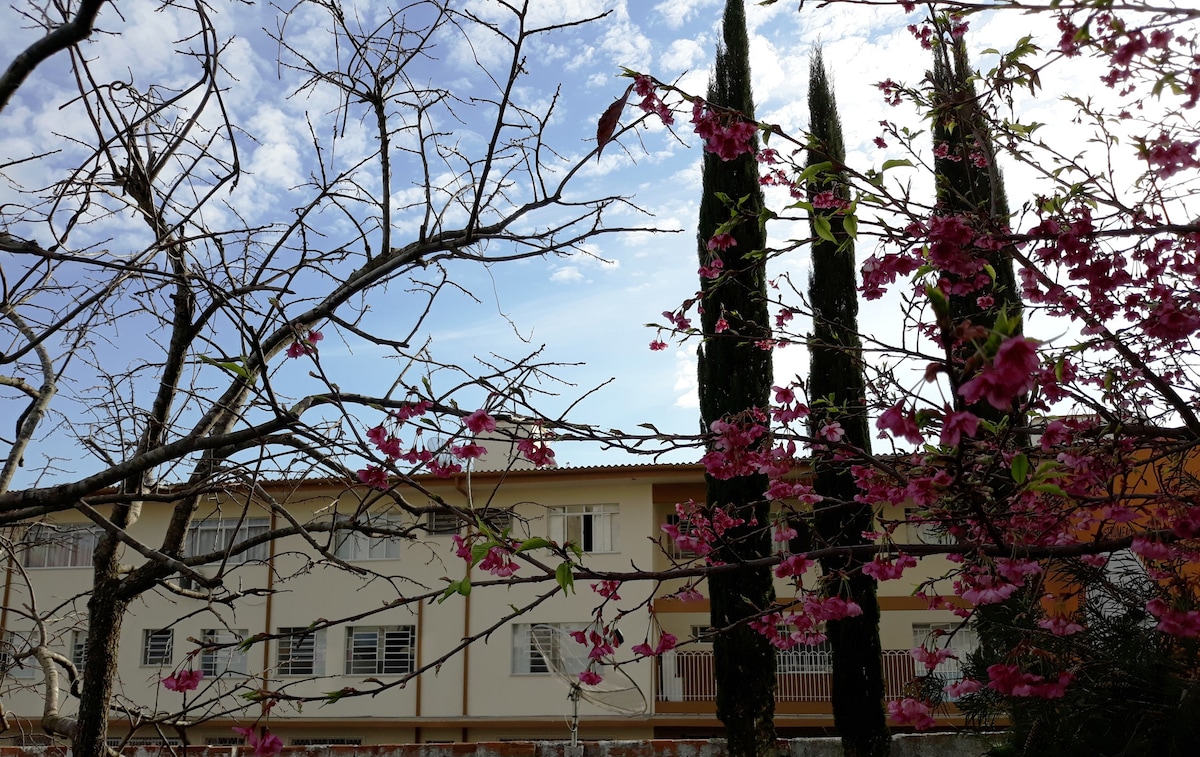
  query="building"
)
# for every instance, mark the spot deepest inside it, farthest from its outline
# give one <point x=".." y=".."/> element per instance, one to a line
<point x="498" y="688"/>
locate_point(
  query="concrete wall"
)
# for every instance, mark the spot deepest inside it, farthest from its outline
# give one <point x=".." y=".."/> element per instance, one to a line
<point x="905" y="745"/>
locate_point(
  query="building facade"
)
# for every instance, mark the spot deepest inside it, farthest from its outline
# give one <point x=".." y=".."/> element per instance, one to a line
<point x="335" y="612"/>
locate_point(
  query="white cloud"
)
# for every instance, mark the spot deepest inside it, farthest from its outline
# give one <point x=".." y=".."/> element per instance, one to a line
<point x="687" y="386"/>
<point x="677" y="12"/>
<point x="567" y="273"/>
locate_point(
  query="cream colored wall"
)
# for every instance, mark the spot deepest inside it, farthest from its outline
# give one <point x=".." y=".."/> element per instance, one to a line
<point x="308" y="589"/>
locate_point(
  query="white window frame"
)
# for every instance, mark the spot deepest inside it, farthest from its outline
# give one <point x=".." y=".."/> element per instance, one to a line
<point x="962" y="643"/>
<point x="380" y="650"/>
<point x="15" y="641"/>
<point x="224" y="661"/>
<point x="158" y="647"/>
<point x="527" y="659"/>
<point x="442" y="523"/>
<point x="353" y="546"/>
<point x="79" y="648"/>
<point x="219" y="534"/>
<point x="592" y="527"/>
<point x="48" y="546"/>
<point x="301" y="652"/>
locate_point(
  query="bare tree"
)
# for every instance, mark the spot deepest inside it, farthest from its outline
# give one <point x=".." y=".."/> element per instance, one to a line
<point x="162" y="320"/>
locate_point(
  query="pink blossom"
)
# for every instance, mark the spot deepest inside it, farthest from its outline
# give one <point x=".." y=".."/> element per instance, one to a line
<point x="957" y="424"/>
<point x="1184" y="623"/>
<point x="658" y="345"/>
<point x="1010" y="681"/>
<point x="931" y="659"/>
<point x="1010" y="374"/>
<point x="266" y="745"/>
<point x="183" y="680"/>
<point x="499" y="563"/>
<point x="832" y="431"/>
<point x="590" y="678"/>
<point x="1149" y="549"/>
<point x="480" y="422"/>
<point x="1060" y="626"/>
<point x="885" y="570"/>
<point x="721" y="326"/>
<point x="462" y="548"/>
<point x="793" y="565"/>
<point x="910" y="712"/>
<point x="306" y="346"/>
<point x="374" y="476"/>
<point x="666" y="642"/>
<point x="470" y="451"/>
<point x="721" y="242"/>
<point x="899" y="423"/>
<point x="727" y="137"/>
<point x="689" y="594"/>
<point x="713" y="270"/>
<point x="537" y="453"/>
<point x="963" y="687"/>
<point x="607" y="589"/>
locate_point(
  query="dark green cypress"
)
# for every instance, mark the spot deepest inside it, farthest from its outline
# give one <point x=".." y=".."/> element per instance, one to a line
<point x="837" y="393"/>
<point x="734" y="382"/>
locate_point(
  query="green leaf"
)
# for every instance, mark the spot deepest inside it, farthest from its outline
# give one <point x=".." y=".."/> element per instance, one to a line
<point x="565" y="578"/>
<point x="233" y="366"/>
<point x="1020" y="468"/>
<point x="462" y="587"/>
<point x="536" y="542"/>
<point x="896" y="163"/>
<point x="850" y="226"/>
<point x="1054" y="489"/>
<point x="822" y="229"/>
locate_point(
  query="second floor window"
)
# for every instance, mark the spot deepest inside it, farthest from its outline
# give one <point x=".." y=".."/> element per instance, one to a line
<point x="158" y="646"/>
<point x="530" y="640"/>
<point x="301" y="652"/>
<point x="351" y="545"/>
<point x="380" y="650"/>
<point x="221" y="661"/>
<point x="219" y="534"/>
<point x="79" y="649"/>
<point x="60" y="546"/>
<point x="592" y="527"/>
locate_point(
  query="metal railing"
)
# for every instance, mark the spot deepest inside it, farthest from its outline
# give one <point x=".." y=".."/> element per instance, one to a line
<point x="687" y="675"/>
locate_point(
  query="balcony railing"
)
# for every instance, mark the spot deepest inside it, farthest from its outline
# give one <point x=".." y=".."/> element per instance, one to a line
<point x="687" y="675"/>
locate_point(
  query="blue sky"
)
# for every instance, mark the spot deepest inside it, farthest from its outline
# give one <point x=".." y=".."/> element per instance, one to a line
<point x="586" y="309"/>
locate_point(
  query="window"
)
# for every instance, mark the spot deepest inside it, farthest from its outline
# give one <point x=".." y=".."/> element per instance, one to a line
<point x="158" y="646"/>
<point x="497" y="520"/>
<point x="935" y="636"/>
<point x="442" y="522"/>
<point x="79" y="649"/>
<point x="380" y="650"/>
<point x="302" y="653"/>
<point x="60" y="546"/>
<point x="565" y="653"/>
<point x="592" y="527"/>
<point x="804" y="658"/>
<point x="703" y="634"/>
<point x="350" y="545"/>
<point x="686" y="528"/>
<point x="219" y="534"/>
<point x="221" y="661"/>
<point x="17" y="643"/>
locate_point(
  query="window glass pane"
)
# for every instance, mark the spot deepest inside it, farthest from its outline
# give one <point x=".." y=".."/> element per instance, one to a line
<point x="225" y="660"/>
<point x="385" y="650"/>
<point x="301" y="654"/>
<point x="592" y="527"/>
<point x="219" y="534"/>
<point x="60" y="546"/>
<point x="158" y="646"/>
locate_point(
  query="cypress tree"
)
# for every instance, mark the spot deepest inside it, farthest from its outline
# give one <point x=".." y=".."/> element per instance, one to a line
<point x="837" y="393"/>
<point x="734" y="383"/>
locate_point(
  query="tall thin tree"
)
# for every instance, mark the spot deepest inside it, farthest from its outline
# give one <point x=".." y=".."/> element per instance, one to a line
<point x="837" y="394"/>
<point x="734" y="383"/>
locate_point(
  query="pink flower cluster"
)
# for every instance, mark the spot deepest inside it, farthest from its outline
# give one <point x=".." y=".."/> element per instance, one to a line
<point x="931" y="659"/>
<point x="1184" y="623"/>
<point x="726" y="136"/>
<point x="651" y="103"/>
<point x="882" y="569"/>
<point x="1010" y="374"/>
<point x="183" y="680"/>
<point x="666" y="642"/>
<point x="306" y="346"/>
<point x="912" y="712"/>
<point x="1010" y="681"/>
<point x="265" y="745"/>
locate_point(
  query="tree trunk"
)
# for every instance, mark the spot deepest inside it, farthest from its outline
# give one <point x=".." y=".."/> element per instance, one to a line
<point x="106" y="611"/>
<point x="837" y="392"/>
<point x="734" y="383"/>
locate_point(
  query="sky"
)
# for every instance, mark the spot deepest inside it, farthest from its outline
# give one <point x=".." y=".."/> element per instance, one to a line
<point x="588" y="311"/>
